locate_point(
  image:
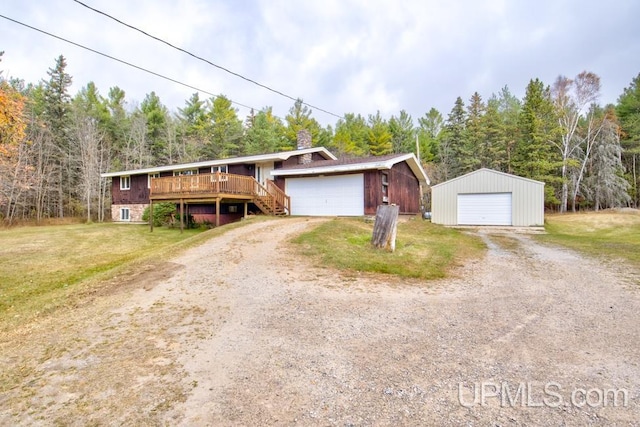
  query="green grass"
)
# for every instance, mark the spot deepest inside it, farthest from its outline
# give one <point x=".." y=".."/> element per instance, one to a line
<point x="41" y="266"/>
<point x="423" y="250"/>
<point x="608" y="234"/>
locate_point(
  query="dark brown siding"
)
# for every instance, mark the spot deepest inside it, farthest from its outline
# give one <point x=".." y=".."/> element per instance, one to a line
<point x="138" y="193"/>
<point x="242" y="169"/>
<point x="279" y="181"/>
<point x="207" y="213"/>
<point x="372" y="191"/>
<point x="404" y="189"/>
<point x="291" y="161"/>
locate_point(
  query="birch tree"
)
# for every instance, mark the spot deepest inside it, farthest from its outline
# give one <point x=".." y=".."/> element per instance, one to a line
<point x="572" y="99"/>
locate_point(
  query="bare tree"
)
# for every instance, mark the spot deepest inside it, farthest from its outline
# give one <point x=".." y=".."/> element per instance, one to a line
<point x="91" y="142"/>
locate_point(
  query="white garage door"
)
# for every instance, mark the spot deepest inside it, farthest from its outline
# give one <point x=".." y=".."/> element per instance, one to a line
<point x="484" y="209"/>
<point x="327" y="195"/>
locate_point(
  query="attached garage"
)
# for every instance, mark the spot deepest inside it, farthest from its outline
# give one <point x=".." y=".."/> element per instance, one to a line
<point x="488" y="197"/>
<point x="353" y="186"/>
<point x="339" y="195"/>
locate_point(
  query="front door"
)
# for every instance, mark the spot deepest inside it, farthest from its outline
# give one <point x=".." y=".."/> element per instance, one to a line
<point x="263" y="172"/>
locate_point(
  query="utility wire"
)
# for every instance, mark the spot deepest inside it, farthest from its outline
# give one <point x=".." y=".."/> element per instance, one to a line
<point x="206" y="60"/>
<point x="122" y="61"/>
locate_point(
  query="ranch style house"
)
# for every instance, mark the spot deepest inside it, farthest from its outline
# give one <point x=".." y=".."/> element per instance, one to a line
<point x="307" y="181"/>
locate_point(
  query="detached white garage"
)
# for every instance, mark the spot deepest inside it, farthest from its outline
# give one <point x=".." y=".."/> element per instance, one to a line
<point x="327" y="195"/>
<point x="488" y="197"/>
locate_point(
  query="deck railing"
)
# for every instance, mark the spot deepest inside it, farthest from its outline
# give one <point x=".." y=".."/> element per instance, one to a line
<point x="280" y="196"/>
<point x="202" y="184"/>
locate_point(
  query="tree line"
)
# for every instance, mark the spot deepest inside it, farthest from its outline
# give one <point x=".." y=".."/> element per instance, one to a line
<point x="53" y="146"/>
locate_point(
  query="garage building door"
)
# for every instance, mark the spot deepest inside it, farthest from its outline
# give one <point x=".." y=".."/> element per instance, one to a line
<point x="484" y="209"/>
<point x="327" y="195"/>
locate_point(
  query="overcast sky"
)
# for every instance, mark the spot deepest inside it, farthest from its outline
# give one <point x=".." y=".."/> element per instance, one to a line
<point x="343" y="56"/>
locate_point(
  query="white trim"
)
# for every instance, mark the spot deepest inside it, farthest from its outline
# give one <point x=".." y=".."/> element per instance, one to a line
<point x="284" y="155"/>
<point x="220" y="168"/>
<point x="127" y="179"/>
<point x="186" y="172"/>
<point x="122" y="216"/>
<point x="492" y="171"/>
<point x="335" y="195"/>
<point x="152" y="175"/>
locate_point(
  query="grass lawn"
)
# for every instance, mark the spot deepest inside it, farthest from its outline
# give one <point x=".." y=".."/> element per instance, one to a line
<point x="41" y="266"/>
<point x="423" y="250"/>
<point x="609" y="234"/>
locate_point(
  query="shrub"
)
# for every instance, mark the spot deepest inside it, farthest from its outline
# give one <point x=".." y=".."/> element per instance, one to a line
<point x="162" y="214"/>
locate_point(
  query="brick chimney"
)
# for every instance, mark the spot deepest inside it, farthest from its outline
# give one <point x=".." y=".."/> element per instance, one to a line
<point x="304" y="141"/>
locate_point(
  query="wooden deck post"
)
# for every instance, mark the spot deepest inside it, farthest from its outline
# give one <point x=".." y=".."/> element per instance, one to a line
<point x="151" y="216"/>
<point x="246" y="209"/>
<point x="181" y="215"/>
<point x="217" y="211"/>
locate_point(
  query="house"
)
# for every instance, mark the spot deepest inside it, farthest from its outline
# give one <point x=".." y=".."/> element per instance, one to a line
<point x="306" y="181"/>
<point x="488" y="197"/>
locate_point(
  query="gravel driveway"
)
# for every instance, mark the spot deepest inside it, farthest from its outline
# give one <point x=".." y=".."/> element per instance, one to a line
<point x="243" y="331"/>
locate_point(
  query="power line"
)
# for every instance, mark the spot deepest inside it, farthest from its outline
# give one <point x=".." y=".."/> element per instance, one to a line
<point x="122" y="61"/>
<point x="206" y="60"/>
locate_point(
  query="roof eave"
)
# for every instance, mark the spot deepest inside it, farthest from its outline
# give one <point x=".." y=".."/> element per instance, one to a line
<point x="284" y="155"/>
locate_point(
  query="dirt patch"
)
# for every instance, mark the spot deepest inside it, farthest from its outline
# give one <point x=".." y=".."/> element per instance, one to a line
<point x="243" y="331"/>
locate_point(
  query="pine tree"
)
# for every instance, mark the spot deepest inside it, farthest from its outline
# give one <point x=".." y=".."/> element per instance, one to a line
<point x="605" y="185"/>
<point x="453" y="151"/>
<point x="350" y="137"/>
<point x="156" y="116"/>
<point x="430" y="127"/>
<point x="475" y="153"/>
<point x="628" y="112"/>
<point x="225" y="129"/>
<point x="57" y="117"/>
<point x="264" y="133"/>
<point x="299" y="117"/>
<point x="402" y="133"/>
<point x="379" y="137"/>
<point x="534" y="155"/>
<point x="509" y="108"/>
<point x="494" y="153"/>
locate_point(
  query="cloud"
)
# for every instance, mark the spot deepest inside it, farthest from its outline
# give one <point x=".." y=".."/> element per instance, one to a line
<point x="341" y="55"/>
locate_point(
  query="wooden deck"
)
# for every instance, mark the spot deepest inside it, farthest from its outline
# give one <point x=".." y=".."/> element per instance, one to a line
<point x="214" y="187"/>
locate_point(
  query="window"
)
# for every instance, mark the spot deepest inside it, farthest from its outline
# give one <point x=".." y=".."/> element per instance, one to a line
<point x="221" y="169"/>
<point x="385" y="187"/>
<point x="153" y="175"/>
<point x="185" y="172"/>
<point x="125" y="214"/>
<point x="233" y="208"/>
<point x="125" y="182"/>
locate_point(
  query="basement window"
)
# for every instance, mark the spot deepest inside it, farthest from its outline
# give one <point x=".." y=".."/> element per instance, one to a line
<point x="125" y="214"/>
<point x="125" y="182"/>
